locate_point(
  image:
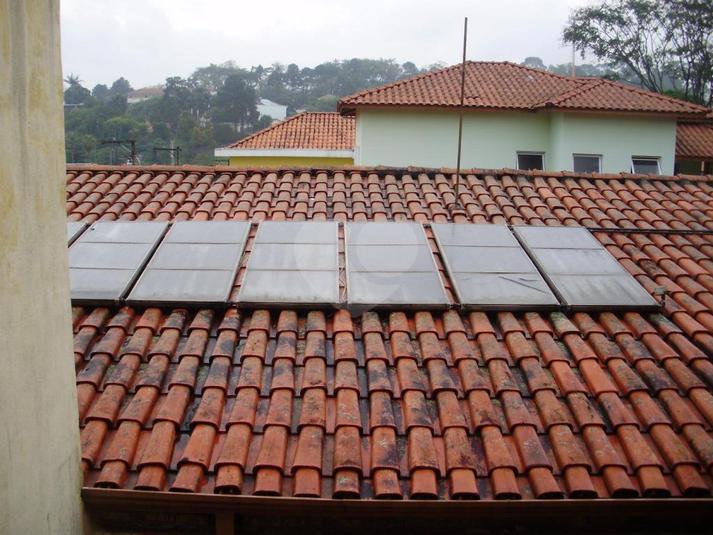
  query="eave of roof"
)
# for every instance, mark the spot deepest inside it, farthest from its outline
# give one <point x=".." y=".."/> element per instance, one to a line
<point x="603" y="514"/>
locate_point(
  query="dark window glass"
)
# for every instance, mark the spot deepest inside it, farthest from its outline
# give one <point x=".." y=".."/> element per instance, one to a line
<point x="648" y="166"/>
<point x="586" y="164"/>
<point x="530" y="161"/>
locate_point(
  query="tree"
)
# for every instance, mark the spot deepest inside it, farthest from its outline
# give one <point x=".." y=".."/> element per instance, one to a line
<point x="100" y="92"/>
<point x="409" y="69"/>
<point x="325" y="103"/>
<point x="76" y="93"/>
<point x="79" y="147"/>
<point x="120" y="87"/>
<point x="212" y="77"/>
<point x="664" y="44"/>
<point x="235" y="103"/>
<point x="534" y="62"/>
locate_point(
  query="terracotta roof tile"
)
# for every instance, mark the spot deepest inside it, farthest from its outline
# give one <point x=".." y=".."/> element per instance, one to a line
<point x="694" y="140"/>
<point x="307" y="130"/>
<point x="408" y="404"/>
<point x="505" y="85"/>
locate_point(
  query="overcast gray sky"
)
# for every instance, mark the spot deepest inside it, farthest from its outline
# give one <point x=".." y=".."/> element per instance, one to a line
<point x="148" y="40"/>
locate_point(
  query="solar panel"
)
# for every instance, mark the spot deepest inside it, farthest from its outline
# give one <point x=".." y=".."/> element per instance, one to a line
<point x="74" y="229"/>
<point x="489" y="269"/>
<point x="582" y="272"/>
<point x="106" y="259"/>
<point x="391" y="264"/>
<point x="195" y="264"/>
<point x="292" y="263"/>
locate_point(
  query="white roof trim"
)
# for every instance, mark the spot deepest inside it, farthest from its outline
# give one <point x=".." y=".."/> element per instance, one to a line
<point x="227" y="152"/>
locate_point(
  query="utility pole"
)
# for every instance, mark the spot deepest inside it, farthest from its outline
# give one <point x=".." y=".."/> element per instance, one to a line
<point x="175" y="153"/>
<point x="460" y="114"/>
<point x="120" y="143"/>
<point x="574" y="69"/>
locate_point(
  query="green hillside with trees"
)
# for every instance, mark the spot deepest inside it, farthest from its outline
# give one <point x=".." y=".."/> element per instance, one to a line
<point x="214" y="106"/>
<point x="662" y="45"/>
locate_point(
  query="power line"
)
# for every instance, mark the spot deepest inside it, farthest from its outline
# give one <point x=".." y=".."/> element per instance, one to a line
<point x="120" y="143"/>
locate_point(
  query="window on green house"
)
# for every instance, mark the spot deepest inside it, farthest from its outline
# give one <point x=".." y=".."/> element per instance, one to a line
<point x="530" y="160"/>
<point x="645" y="165"/>
<point x="587" y="163"/>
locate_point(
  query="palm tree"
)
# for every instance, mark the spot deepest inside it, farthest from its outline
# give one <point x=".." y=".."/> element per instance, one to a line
<point x="72" y="80"/>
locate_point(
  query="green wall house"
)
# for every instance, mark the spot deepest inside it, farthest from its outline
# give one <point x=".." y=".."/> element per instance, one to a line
<point x="517" y="117"/>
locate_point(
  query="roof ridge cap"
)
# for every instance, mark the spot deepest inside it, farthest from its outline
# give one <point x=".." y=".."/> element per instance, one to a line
<point x="660" y="96"/>
<point x="538" y="71"/>
<point x="399" y="82"/>
<point x="583" y="87"/>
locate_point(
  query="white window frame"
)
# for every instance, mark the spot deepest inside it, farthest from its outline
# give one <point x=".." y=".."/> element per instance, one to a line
<point x="657" y="159"/>
<point x="585" y="155"/>
<point x="528" y="153"/>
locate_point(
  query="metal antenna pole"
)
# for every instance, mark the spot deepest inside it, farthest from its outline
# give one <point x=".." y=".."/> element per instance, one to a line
<point x="460" y="114"/>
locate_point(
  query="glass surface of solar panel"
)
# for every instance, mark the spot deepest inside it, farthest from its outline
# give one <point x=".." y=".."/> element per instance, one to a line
<point x="292" y="263"/>
<point x="297" y="232"/>
<point x="74" y="229"/>
<point x="582" y="272"/>
<point x="489" y="268"/>
<point x="195" y="264"/>
<point x="390" y="264"/>
<point x="106" y="259"/>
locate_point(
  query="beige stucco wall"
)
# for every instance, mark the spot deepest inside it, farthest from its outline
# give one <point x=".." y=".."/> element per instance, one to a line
<point x="39" y="442"/>
<point x="400" y="137"/>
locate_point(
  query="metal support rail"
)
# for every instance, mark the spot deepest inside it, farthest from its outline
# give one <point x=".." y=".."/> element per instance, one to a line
<point x="667" y="231"/>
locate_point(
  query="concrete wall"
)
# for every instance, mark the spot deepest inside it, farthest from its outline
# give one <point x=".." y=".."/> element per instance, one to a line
<point x="615" y="138"/>
<point x="39" y="441"/>
<point x="492" y="139"/>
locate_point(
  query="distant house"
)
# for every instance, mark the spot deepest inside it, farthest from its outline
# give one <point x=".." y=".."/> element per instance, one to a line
<point x="519" y="117"/>
<point x="145" y="93"/>
<point x="277" y="111"/>
<point x="309" y="139"/>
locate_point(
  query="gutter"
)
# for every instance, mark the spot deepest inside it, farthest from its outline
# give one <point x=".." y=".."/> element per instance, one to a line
<point x="123" y="506"/>
<point x="226" y="152"/>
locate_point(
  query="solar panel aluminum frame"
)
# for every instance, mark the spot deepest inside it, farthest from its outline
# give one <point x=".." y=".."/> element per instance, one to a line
<point x="269" y="231"/>
<point x="184" y="234"/>
<point x="87" y="238"/>
<point x="440" y="303"/>
<point x="588" y="242"/>
<point x="453" y="273"/>
<point x="75" y="230"/>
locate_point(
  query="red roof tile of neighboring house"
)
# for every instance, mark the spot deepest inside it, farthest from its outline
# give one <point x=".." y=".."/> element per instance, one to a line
<point x="694" y="141"/>
<point x="308" y="130"/>
<point x="505" y="85"/>
<point x="407" y="404"/>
